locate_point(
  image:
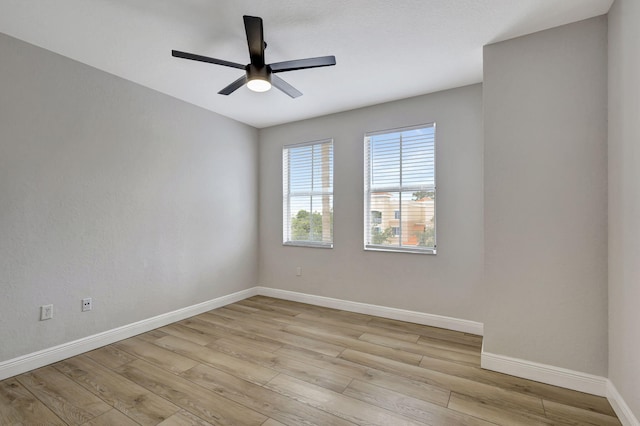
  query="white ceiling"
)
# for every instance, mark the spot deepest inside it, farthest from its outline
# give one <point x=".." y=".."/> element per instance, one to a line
<point x="385" y="50"/>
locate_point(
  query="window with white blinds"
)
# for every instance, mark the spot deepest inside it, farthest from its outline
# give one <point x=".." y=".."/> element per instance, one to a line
<point x="400" y="190"/>
<point x="307" y="202"/>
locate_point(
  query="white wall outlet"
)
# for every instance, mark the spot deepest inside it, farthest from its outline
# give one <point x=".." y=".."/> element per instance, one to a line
<point x="298" y="271"/>
<point x="86" y="304"/>
<point x="46" y="312"/>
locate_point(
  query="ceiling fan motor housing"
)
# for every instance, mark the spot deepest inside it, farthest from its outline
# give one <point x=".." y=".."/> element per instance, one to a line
<point x="254" y="72"/>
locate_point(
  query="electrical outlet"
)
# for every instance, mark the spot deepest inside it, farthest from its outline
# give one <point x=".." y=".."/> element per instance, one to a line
<point x="86" y="304"/>
<point x="298" y="271"/>
<point x="46" y="312"/>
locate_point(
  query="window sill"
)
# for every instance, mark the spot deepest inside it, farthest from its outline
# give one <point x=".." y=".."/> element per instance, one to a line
<point x="399" y="249"/>
<point x="308" y="244"/>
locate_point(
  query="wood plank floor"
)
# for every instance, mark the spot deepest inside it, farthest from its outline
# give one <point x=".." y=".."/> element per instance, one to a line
<point x="270" y="362"/>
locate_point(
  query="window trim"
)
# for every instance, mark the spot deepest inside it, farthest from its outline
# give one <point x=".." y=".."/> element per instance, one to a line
<point x="367" y="193"/>
<point x="286" y="196"/>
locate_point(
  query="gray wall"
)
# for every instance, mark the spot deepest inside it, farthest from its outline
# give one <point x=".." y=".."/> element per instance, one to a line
<point x="449" y="283"/>
<point x="545" y="178"/>
<point x="113" y="191"/>
<point x="624" y="200"/>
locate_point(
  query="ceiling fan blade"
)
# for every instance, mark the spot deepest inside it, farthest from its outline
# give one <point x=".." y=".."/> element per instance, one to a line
<point x="300" y="64"/>
<point x="234" y="86"/>
<point x="285" y="87"/>
<point x="194" y="57"/>
<point x="255" y="39"/>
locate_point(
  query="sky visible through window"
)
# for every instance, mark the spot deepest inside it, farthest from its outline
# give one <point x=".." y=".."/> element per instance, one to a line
<point x="305" y="179"/>
<point x="418" y="164"/>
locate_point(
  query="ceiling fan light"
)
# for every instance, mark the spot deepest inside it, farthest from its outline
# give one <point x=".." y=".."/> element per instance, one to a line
<point x="258" y="85"/>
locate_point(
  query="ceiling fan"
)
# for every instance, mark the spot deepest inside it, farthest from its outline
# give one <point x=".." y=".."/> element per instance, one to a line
<point x="260" y="76"/>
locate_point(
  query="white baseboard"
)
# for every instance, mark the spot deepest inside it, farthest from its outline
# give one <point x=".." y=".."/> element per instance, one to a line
<point x="48" y="356"/>
<point x="557" y="376"/>
<point x="549" y="374"/>
<point x="432" y="320"/>
<point x="626" y="416"/>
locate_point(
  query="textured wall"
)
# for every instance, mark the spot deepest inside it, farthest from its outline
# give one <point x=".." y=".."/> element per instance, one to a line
<point x="545" y="177"/>
<point x="449" y="283"/>
<point x="624" y="201"/>
<point x="112" y="191"/>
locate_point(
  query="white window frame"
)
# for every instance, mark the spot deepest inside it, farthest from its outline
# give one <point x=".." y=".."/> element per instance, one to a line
<point x="287" y="194"/>
<point x="368" y="223"/>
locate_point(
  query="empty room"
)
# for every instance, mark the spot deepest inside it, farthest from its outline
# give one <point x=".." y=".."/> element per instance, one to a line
<point x="360" y="212"/>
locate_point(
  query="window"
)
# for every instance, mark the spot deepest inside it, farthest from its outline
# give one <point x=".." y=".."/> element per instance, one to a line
<point x="400" y="185"/>
<point x="307" y="202"/>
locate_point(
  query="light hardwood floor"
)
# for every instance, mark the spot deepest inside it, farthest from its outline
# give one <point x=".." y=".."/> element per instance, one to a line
<point x="270" y="362"/>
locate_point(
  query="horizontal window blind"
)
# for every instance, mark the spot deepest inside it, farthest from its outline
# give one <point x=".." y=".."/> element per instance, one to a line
<point x="400" y="189"/>
<point x="307" y="201"/>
